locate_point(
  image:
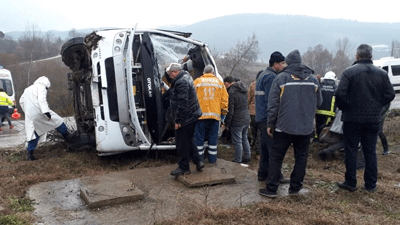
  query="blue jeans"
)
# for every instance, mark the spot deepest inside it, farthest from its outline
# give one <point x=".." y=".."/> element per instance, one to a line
<point x="207" y="130"/>
<point x="240" y="142"/>
<point x="367" y="134"/>
<point x="62" y="129"/>
<point x="281" y="143"/>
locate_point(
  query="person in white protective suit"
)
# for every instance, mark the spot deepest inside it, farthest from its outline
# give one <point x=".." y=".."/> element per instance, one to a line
<point x="39" y="119"/>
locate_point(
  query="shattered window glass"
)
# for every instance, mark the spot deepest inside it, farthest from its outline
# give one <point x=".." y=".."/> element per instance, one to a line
<point x="169" y="50"/>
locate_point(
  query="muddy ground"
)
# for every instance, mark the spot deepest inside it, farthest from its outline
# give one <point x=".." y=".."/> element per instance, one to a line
<point x="325" y="204"/>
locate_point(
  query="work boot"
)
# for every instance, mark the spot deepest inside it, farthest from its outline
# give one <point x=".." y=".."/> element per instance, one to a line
<point x="267" y="193"/>
<point x="31" y="157"/>
<point x="179" y="172"/>
<point x="199" y="166"/>
<point x="345" y="186"/>
<point x="246" y="160"/>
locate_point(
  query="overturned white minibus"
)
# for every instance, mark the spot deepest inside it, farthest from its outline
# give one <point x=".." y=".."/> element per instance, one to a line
<point x="118" y="77"/>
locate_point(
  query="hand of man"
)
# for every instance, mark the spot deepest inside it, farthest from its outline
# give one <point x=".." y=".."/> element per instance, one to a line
<point x="270" y="131"/>
<point x="177" y="126"/>
<point x="223" y="118"/>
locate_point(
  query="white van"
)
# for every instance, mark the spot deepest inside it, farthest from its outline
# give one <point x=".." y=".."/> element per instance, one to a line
<point x="6" y="82"/>
<point x="392" y="67"/>
<point x="117" y="79"/>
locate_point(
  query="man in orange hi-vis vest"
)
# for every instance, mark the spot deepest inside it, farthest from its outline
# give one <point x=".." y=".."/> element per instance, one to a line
<point x="213" y="99"/>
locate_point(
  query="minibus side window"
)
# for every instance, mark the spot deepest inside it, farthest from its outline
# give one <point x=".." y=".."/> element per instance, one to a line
<point x="386" y="68"/>
<point x="7" y="87"/>
<point x="396" y="70"/>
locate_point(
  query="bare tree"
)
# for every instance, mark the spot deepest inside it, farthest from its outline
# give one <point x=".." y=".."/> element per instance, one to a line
<point x="342" y="56"/>
<point x="32" y="43"/>
<point x="239" y="58"/>
<point x="73" y="33"/>
<point x="319" y="59"/>
<point x="52" y="45"/>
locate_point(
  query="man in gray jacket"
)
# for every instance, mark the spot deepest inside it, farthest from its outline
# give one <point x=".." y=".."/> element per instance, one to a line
<point x="292" y="102"/>
<point x="238" y="119"/>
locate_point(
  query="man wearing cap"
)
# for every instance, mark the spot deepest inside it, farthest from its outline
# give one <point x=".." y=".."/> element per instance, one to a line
<point x="186" y="110"/>
<point x="263" y="85"/>
<point x="294" y="97"/>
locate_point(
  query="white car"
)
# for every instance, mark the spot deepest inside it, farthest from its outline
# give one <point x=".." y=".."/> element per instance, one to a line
<point x="118" y="77"/>
<point x="392" y="67"/>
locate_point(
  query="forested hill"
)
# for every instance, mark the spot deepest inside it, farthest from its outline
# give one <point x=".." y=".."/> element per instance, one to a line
<point x="280" y="32"/>
<point x="288" y="32"/>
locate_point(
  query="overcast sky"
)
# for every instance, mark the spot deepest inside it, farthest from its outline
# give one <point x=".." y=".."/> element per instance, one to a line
<point x="80" y="14"/>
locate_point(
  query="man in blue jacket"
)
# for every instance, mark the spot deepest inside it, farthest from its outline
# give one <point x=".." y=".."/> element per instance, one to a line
<point x="292" y="102"/>
<point x="363" y="91"/>
<point x="263" y="85"/>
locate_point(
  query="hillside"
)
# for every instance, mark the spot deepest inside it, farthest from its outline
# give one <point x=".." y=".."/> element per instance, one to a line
<point x="287" y="32"/>
<point x="280" y="32"/>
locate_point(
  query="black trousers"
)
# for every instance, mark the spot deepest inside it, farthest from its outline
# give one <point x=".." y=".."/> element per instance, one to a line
<point x="382" y="136"/>
<point x="281" y="143"/>
<point x="266" y="146"/>
<point x="186" y="146"/>
<point x="320" y="123"/>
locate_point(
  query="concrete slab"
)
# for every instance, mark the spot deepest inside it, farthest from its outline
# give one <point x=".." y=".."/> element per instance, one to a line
<point x="59" y="202"/>
<point x="13" y="137"/>
<point x="98" y="192"/>
<point x="211" y="175"/>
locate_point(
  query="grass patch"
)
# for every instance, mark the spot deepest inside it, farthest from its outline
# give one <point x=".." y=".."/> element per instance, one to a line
<point x="12" y="220"/>
<point x="21" y="204"/>
<point x="17" y="156"/>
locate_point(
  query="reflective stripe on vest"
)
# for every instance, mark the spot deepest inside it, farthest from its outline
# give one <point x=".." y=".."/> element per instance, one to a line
<point x="259" y="93"/>
<point x="326" y="112"/>
<point x="212" y="114"/>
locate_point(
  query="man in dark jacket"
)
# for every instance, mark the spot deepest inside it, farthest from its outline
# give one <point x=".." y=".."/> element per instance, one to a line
<point x="186" y="111"/>
<point x="238" y="119"/>
<point x="264" y="81"/>
<point x="294" y="97"/>
<point x="362" y="93"/>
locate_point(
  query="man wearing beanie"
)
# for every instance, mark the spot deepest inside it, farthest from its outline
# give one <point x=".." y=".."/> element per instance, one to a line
<point x="294" y="97"/>
<point x="263" y="85"/>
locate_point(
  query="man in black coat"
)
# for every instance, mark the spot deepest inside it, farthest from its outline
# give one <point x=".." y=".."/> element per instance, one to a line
<point x="363" y="91"/>
<point x="186" y="111"/>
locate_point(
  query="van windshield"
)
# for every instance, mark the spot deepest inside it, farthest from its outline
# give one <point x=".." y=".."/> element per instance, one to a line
<point x="7" y="86"/>
<point x="169" y="50"/>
